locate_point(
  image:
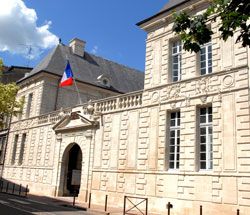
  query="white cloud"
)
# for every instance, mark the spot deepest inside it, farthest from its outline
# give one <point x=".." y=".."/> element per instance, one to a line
<point x="94" y="50"/>
<point x="19" y="31"/>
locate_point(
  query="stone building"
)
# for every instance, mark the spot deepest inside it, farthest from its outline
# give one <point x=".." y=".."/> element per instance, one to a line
<point x="9" y="75"/>
<point x="184" y="138"/>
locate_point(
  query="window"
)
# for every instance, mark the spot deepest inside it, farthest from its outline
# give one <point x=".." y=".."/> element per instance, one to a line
<point x="19" y="116"/>
<point x="13" y="158"/>
<point x="30" y="98"/>
<point x="174" y="140"/>
<point x="2" y="146"/>
<point x="206" y="138"/>
<point x="20" y="160"/>
<point x="206" y="59"/>
<point x="176" y="61"/>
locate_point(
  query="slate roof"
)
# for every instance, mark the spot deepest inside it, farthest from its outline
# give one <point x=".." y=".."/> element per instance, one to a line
<point x="13" y="73"/>
<point x="168" y="6"/>
<point x="88" y="68"/>
<point x="172" y="3"/>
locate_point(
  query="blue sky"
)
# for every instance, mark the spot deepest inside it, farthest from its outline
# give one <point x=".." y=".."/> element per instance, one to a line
<point x="108" y="27"/>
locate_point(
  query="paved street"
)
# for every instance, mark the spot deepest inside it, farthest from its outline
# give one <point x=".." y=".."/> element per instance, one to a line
<point x="13" y="205"/>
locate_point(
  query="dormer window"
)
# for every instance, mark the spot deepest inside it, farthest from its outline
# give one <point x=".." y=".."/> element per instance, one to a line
<point x="104" y="80"/>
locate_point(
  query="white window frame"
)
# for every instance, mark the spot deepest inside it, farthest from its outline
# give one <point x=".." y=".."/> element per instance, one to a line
<point x="176" y="129"/>
<point x="178" y="46"/>
<point x="208" y="126"/>
<point x="208" y="61"/>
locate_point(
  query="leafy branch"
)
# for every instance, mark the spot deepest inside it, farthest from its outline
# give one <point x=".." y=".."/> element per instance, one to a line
<point x="194" y="30"/>
<point x="8" y="103"/>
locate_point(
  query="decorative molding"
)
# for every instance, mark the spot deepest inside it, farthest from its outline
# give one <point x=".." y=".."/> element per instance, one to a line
<point x="174" y="92"/>
<point x="228" y="81"/>
<point x="203" y="99"/>
<point x="202" y="85"/>
<point x="155" y="97"/>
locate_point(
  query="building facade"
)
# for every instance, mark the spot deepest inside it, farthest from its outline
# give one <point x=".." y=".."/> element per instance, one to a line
<point x="9" y="75"/>
<point x="184" y="138"/>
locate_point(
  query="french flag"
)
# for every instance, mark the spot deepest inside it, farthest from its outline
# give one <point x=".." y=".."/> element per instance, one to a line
<point x="67" y="79"/>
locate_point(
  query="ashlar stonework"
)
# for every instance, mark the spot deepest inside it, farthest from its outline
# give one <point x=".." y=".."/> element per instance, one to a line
<point x="123" y="141"/>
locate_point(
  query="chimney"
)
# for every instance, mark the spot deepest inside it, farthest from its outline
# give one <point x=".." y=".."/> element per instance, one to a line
<point x="77" y="46"/>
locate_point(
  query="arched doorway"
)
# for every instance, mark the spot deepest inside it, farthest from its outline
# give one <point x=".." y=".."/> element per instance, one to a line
<point x="71" y="170"/>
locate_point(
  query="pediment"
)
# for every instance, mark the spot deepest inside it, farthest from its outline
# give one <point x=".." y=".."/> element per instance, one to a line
<point x="74" y="121"/>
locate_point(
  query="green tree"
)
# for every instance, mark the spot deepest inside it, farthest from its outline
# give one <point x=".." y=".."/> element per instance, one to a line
<point x="233" y="14"/>
<point x="8" y="103"/>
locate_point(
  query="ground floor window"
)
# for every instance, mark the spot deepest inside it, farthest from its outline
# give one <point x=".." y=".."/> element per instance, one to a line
<point x="174" y="140"/>
<point x="206" y="138"/>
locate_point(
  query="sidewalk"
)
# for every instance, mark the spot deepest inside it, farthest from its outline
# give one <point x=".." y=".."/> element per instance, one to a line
<point x="68" y="202"/>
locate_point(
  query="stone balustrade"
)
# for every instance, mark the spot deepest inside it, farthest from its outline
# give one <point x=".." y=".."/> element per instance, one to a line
<point x="115" y="103"/>
<point x="131" y="100"/>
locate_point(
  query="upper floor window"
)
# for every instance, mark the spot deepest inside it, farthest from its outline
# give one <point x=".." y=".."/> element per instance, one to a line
<point x="206" y="59"/>
<point x="19" y="116"/>
<point x="13" y="158"/>
<point x="206" y="138"/>
<point x="174" y="140"/>
<point x="176" y="61"/>
<point x="20" y="160"/>
<point x="30" y="98"/>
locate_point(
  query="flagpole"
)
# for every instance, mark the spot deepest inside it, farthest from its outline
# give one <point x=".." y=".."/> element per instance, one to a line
<point x="79" y="97"/>
<point x="74" y="80"/>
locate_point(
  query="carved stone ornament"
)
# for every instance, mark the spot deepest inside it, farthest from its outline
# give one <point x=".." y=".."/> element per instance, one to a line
<point x="202" y="86"/>
<point x="187" y="100"/>
<point x="174" y="92"/>
<point x="203" y="99"/>
<point x="155" y="97"/>
<point x="219" y="95"/>
<point x="173" y="105"/>
<point x="228" y="81"/>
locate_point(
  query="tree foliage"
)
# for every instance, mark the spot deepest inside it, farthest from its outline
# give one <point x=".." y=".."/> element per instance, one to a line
<point x="8" y="103"/>
<point x="233" y="14"/>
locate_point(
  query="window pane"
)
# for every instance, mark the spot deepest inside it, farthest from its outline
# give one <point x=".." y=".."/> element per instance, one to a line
<point x="172" y="148"/>
<point x="203" y="139"/>
<point x="171" y="165"/>
<point x="172" y="133"/>
<point x="172" y="141"/>
<point x="202" y="131"/>
<point x="202" y="156"/>
<point x="203" y="165"/>
<point x="210" y="118"/>
<point x="202" y="148"/>
<point x="172" y="157"/>
<point x="173" y="115"/>
<point x="203" y="111"/>
<point x="203" y="119"/>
